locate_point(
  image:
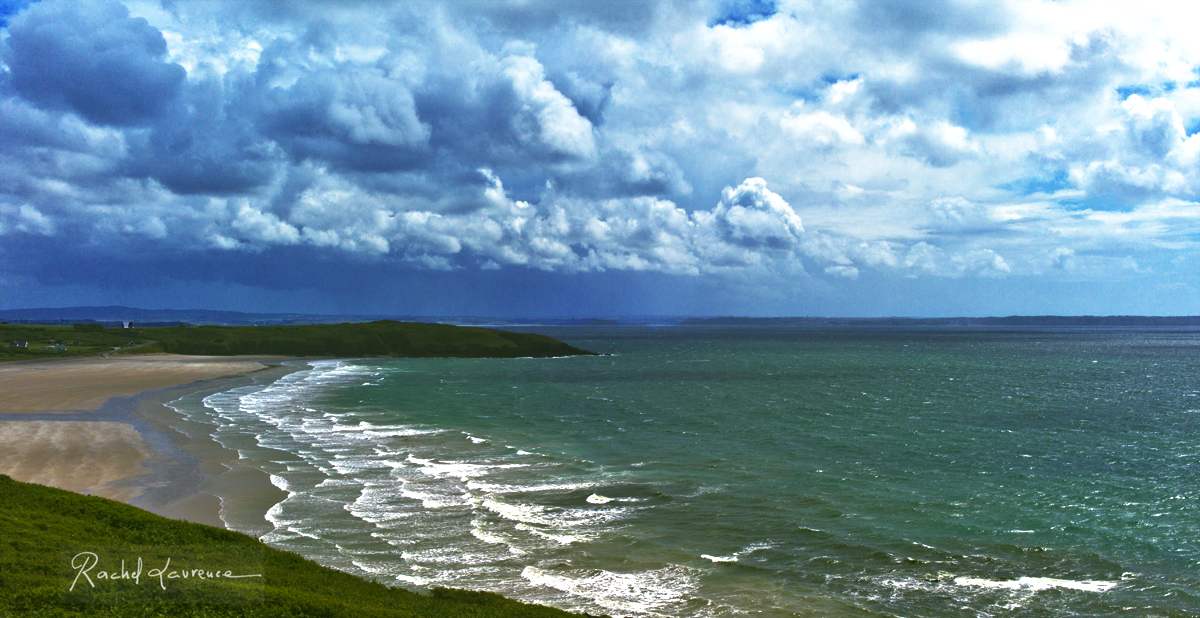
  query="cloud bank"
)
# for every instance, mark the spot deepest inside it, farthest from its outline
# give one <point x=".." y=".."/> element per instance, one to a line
<point x="821" y="145"/>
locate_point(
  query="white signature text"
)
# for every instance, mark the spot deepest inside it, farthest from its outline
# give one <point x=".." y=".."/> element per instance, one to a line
<point x="85" y="565"/>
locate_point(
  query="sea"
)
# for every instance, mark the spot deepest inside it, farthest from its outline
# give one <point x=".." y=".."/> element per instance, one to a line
<point x="750" y="471"/>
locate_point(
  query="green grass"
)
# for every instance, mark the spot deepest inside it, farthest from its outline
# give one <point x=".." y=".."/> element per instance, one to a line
<point x="77" y="342"/>
<point x="383" y="338"/>
<point x="39" y="526"/>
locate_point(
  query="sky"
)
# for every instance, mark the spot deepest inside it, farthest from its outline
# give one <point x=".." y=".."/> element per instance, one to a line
<point x="548" y="158"/>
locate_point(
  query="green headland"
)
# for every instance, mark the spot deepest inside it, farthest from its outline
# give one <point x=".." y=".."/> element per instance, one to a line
<point x="352" y="340"/>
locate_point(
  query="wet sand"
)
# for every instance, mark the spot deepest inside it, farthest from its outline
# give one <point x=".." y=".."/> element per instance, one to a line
<point x="100" y="426"/>
<point x="79" y="456"/>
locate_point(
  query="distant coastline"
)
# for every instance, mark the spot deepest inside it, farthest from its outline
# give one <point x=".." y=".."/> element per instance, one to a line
<point x="1062" y="321"/>
<point x="113" y="316"/>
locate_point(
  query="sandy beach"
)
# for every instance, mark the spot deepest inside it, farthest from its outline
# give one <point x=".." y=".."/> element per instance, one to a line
<point x="99" y="426"/>
<point x="85" y="384"/>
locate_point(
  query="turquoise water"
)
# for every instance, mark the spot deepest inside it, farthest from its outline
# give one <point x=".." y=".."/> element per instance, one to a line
<point x="768" y="472"/>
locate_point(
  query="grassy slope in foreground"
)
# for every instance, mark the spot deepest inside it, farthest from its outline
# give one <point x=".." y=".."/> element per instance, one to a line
<point x="383" y="338"/>
<point x="37" y="524"/>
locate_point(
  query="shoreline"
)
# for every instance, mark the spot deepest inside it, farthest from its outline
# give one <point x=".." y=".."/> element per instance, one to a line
<point x="131" y="446"/>
<point x="195" y="478"/>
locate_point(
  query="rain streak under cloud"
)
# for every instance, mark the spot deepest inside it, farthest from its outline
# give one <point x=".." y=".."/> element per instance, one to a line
<point x="747" y="156"/>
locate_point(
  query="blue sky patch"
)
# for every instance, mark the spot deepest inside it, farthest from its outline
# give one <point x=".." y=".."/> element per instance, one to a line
<point x="1100" y="202"/>
<point x="8" y="8"/>
<point x="1124" y="92"/>
<point x="744" y="12"/>
<point x="1148" y="90"/>
<point x="1055" y="180"/>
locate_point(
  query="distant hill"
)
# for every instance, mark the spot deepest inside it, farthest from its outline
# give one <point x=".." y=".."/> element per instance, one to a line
<point x="1064" y="321"/>
<point x="71" y="315"/>
<point x="114" y="315"/>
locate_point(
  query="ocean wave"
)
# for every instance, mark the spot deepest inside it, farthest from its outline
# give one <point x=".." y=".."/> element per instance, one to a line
<point x="1036" y="584"/>
<point x="561" y="539"/>
<point x="462" y="470"/>
<point x="553" y="517"/>
<point x="453" y="557"/>
<point x="431" y="500"/>
<point x="738" y="554"/>
<point x="644" y="592"/>
<point x="509" y="488"/>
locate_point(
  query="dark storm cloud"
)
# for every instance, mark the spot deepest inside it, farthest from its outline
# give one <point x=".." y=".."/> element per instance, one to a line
<point x="1008" y="97"/>
<point x="206" y="146"/>
<point x="619" y="173"/>
<point x="590" y="98"/>
<point x="624" y="16"/>
<point x="93" y="58"/>
<point x="354" y="117"/>
<point x="899" y="21"/>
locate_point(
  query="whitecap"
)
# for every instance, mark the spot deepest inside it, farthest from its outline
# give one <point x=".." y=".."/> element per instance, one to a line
<point x="561" y="539"/>
<point x="435" y="501"/>
<point x="448" y="556"/>
<point x="486" y="537"/>
<point x="738" y="554"/>
<point x="551" y="517"/>
<point x="412" y="579"/>
<point x="642" y="592"/>
<point x="1037" y="584"/>
<point x="279" y="482"/>
<point x="525" y="513"/>
<point x="498" y="488"/>
<point x="461" y="470"/>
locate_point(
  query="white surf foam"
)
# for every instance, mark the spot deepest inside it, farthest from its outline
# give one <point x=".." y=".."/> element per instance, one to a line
<point x="375" y="431"/>
<point x="461" y="470"/>
<point x="1037" y="584"/>
<point x="279" y="482"/>
<point x="412" y="579"/>
<point x="411" y="488"/>
<point x="738" y="554"/>
<point x="551" y="517"/>
<point x="502" y="488"/>
<point x="561" y="539"/>
<point x="644" y="592"/>
<point x="435" y="501"/>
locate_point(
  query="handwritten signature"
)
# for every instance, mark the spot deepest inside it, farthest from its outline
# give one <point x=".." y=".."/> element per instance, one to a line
<point x="85" y="562"/>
